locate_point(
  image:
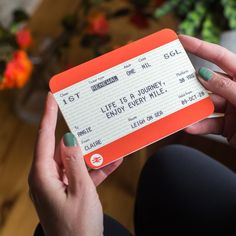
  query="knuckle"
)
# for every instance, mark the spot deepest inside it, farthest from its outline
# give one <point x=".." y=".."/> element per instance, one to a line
<point x="89" y="189"/>
<point x="221" y="53"/>
<point x="73" y="154"/>
<point x="223" y="83"/>
<point x="71" y="157"/>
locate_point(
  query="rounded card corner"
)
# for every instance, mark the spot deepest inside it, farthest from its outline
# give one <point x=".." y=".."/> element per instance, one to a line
<point x="170" y="32"/>
<point x="52" y="83"/>
<point x="211" y="107"/>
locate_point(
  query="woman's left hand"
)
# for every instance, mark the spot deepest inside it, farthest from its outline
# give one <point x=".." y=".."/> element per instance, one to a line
<point x="63" y="191"/>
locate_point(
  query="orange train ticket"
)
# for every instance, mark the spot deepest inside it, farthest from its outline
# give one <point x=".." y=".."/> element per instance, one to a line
<point x="131" y="97"/>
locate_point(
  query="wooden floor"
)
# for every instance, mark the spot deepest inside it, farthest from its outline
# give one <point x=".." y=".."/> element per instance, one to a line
<point x="117" y="193"/>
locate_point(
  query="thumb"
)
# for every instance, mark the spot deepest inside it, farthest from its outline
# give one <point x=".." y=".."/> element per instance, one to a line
<point x="75" y="168"/>
<point x="219" y="84"/>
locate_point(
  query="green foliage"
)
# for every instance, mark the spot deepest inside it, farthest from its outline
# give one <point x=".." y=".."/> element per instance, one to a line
<point x="166" y="8"/>
<point x="210" y="31"/>
<point x="230" y="12"/>
<point x="184" y="6"/>
<point x="193" y="20"/>
<point x="205" y="17"/>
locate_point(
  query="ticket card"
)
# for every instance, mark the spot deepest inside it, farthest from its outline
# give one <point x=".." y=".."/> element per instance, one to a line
<point x="131" y="97"/>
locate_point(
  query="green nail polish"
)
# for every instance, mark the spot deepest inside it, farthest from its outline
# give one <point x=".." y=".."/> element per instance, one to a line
<point x="205" y="73"/>
<point x="70" y="140"/>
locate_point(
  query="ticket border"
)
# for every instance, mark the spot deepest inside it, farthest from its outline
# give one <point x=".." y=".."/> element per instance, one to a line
<point x="149" y="133"/>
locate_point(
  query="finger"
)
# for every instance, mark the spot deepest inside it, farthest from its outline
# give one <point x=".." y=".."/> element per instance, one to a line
<point x="210" y="52"/>
<point x="75" y="168"/>
<point x="207" y="126"/>
<point x="59" y="165"/>
<point x="45" y="145"/>
<point x="224" y="74"/>
<point x="98" y="176"/>
<point x="218" y="84"/>
<point x="219" y="103"/>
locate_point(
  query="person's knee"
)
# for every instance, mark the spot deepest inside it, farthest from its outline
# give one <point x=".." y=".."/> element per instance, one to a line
<point x="174" y="160"/>
<point x="171" y="154"/>
<point x="176" y="151"/>
<point x="186" y="187"/>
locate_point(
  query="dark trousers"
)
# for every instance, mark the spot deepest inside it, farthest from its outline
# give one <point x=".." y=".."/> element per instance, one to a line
<point x="182" y="191"/>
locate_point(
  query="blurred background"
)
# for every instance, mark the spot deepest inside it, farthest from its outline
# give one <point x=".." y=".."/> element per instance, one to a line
<point x="39" y="38"/>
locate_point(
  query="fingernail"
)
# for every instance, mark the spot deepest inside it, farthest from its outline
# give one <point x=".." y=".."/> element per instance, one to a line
<point x="70" y="140"/>
<point x="205" y="73"/>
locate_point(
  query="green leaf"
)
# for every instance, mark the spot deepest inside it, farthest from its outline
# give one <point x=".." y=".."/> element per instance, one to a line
<point x="192" y="21"/>
<point x="165" y="8"/>
<point x="14" y="27"/>
<point x="232" y="23"/>
<point x="185" y="7"/>
<point x="210" y="30"/>
<point x="223" y="2"/>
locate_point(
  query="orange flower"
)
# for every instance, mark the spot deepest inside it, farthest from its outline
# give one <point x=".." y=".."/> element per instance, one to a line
<point x="24" y="38"/>
<point x="17" y="72"/>
<point x="98" y="24"/>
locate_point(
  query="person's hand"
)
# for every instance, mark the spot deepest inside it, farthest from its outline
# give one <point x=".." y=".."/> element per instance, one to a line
<point x="222" y="86"/>
<point x="63" y="191"/>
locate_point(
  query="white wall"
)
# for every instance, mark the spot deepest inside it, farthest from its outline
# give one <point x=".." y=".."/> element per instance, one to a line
<point x="8" y="6"/>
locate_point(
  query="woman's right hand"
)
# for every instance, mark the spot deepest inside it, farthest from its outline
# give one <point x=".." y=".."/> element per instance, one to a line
<point x="222" y="86"/>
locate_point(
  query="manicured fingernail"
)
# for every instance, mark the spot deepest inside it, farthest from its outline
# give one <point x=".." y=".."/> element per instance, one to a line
<point x="70" y="140"/>
<point x="205" y="73"/>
